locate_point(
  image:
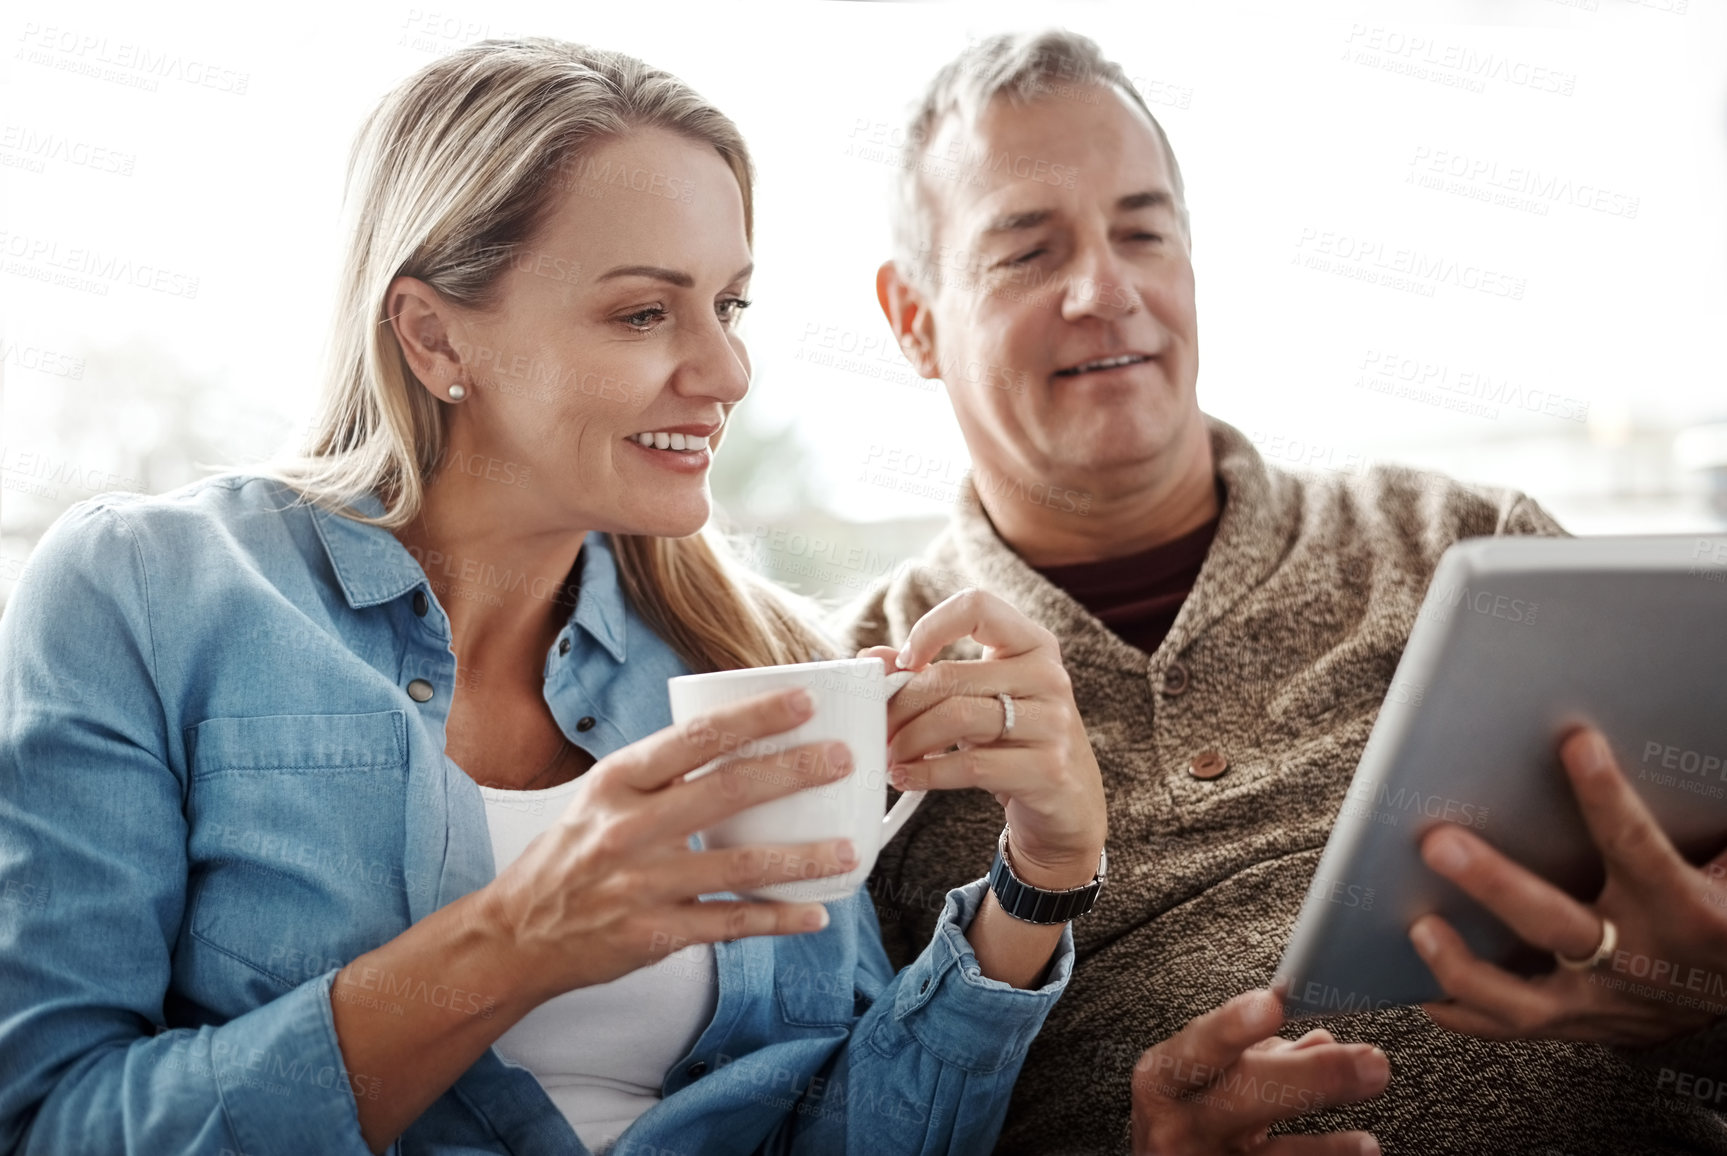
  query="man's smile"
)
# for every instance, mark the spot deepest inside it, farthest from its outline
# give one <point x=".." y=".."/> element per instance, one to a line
<point x="1105" y="364"/>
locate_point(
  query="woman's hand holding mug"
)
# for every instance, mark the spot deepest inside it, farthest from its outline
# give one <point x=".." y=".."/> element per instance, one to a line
<point x="612" y="886"/>
<point x="851" y="697"/>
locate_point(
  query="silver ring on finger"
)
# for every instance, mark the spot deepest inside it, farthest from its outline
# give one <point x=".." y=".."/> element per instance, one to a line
<point x="1603" y="950"/>
<point x="1006" y="716"/>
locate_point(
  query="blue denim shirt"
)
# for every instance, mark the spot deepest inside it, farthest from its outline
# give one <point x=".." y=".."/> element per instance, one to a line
<point x="216" y="790"/>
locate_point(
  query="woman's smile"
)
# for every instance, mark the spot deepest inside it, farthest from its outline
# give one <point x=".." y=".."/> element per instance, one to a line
<point x="680" y="448"/>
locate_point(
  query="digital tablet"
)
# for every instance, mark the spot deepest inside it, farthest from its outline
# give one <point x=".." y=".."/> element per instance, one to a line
<point x="1517" y="641"/>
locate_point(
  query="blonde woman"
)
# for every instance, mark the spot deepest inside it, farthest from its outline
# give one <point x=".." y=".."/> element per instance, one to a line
<point x="364" y="828"/>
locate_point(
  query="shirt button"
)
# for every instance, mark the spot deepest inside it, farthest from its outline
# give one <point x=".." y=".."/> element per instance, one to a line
<point x="420" y="690"/>
<point x="1207" y="765"/>
<point x="698" y="1069"/>
<point x="420" y="603"/>
<point x="564" y="646"/>
<point x="1175" y="679"/>
<point x="585" y="723"/>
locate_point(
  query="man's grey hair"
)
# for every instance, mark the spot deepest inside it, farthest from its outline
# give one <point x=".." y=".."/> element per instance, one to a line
<point x="1021" y="67"/>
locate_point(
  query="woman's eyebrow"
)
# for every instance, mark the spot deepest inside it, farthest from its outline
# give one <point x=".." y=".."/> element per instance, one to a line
<point x="681" y="280"/>
<point x="672" y="276"/>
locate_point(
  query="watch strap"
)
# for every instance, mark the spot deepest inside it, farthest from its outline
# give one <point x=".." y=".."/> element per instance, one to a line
<point x="1033" y="904"/>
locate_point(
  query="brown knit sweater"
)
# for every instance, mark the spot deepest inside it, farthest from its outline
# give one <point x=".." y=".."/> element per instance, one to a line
<point x="1278" y="661"/>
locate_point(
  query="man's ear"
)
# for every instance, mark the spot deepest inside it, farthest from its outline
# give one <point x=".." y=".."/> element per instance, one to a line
<point x="908" y="315"/>
<point x="417" y="317"/>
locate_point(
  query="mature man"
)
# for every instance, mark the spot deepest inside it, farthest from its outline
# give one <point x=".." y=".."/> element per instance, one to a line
<point x="1230" y="630"/>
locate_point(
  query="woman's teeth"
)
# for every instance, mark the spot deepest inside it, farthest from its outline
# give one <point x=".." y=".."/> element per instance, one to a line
<point x="670" y="441"/>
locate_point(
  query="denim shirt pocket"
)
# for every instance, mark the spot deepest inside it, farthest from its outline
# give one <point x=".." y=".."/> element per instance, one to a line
<point x="295" y="842"/>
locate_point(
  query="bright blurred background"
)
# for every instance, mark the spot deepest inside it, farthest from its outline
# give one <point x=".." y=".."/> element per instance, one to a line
<point x="1552" y="172"/>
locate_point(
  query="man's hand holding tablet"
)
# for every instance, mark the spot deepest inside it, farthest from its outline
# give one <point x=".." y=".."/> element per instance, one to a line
<point x="1665" y="971"/>
<point x="1513" y="734"/>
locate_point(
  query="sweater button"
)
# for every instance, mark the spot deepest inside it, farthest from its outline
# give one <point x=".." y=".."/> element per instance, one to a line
<point x="1175" y="679"/>
<point x="420" y="690"/>
<point x="1207" y="765"/>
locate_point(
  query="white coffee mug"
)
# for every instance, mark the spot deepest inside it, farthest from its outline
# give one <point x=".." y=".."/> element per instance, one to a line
<point x="850" y="699"/>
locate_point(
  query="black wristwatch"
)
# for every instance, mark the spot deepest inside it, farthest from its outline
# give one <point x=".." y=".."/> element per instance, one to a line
<point x="1033" y="904"/>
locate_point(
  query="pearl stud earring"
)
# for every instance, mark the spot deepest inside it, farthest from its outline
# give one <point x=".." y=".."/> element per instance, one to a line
<point x="458" y="392"/>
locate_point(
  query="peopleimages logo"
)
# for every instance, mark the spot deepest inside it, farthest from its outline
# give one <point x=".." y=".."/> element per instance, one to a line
<point x="1698" y="772"/>
<point x="956" y="160"/>
<point x="53" y="472"/>
<point x="40" y="258"/>
<point x="1483" y="602"/>
<point x="1325" y="997"/>
<point x="1399" y="267"/>
<point x="1342" y="893"/>
<point x="138" y="65"/>
<point x="1462" y="388"/>
<point x="47" y="361"/>
<point x="1448" y="62"/>
<point x="1700" y="1088"/>
<point x="1512" y="186"/>
<point x="1378" y="803"/>
<point x="37" y="148"/>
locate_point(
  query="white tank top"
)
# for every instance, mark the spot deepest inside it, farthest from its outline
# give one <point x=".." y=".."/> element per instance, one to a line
<point x="601" y="1052"/>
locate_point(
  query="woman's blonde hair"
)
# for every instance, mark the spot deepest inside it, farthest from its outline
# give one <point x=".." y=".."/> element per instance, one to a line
<point x="451" y="174"/>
